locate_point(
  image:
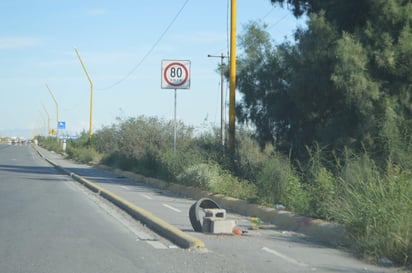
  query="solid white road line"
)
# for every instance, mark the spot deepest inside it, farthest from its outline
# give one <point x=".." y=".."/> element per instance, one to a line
<point x="172" y="208"/>
<point x="284" y="257"/>
<point x="125" y="187"/>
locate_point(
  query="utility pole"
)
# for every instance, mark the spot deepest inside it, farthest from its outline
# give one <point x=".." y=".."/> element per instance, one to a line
<point x="222" y="97"/>
<point x="91" y="94"/>
<point x="232" y="82"/>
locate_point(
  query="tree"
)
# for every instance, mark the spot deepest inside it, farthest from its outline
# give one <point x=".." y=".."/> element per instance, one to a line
<point x="339" y="84"/>
<point x="288" y="94"/>
<point x="263" y="80"/>
<point x="346" y="15"/>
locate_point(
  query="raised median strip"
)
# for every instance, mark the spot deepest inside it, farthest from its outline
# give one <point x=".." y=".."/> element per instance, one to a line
<point x="157" y="224"/>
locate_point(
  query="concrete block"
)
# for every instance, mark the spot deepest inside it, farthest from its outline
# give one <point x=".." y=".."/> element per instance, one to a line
<point x="207" y="225"/>
<point x="215" y="213"/>
<point x="222" y="226"/>
<point x="218" y="225"/>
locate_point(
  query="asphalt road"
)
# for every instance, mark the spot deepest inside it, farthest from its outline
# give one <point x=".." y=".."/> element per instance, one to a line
<point x="49" y="223"/>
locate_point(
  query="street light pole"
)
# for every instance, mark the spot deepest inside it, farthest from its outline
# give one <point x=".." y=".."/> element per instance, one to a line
<point x="57" y="110"/>
<point x="91" y="94"/>
<point x="48" y="119"/>
<point x="232" y="82"/>
<point x="222" y="97"/>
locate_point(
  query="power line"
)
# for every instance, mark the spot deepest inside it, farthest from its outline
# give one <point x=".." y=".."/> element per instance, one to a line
<point x="278" y="21"/>
<point x="267" y="14"/>
<point x="150" y="50"/>
<point x="263" y="18"/>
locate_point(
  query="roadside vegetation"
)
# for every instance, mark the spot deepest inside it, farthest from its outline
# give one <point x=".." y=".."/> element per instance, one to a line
<point x="331" y="114"/>
<point x="372" y="199"/>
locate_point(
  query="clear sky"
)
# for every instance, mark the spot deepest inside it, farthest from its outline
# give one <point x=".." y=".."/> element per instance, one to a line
<point x="122" y="44"/>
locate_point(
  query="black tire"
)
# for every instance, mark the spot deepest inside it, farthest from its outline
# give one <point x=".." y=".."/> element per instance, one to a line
<point x="194" y="212"/>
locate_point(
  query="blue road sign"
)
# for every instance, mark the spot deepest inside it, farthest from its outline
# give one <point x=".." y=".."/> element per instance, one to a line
<point x="61" y="125"/>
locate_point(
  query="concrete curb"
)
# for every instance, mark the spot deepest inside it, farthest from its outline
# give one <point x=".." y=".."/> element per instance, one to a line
<point x="158" y="225"/>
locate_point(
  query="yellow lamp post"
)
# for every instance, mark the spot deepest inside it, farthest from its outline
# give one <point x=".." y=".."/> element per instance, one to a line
<point x="91" y="94"/>
<point x="232" y="81"/>
<point x="57" y="109"/>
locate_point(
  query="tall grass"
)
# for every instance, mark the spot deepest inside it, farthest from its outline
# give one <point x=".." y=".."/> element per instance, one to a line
<point x="375" y="207"/>
<point x="320" y="182"/>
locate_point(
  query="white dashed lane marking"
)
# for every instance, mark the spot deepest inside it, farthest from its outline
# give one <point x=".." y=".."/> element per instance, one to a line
<point x="172" y="208"/>
<point x="142" y="194"/>
<point x="284" y="257"/>
<point x="146" y="196"/>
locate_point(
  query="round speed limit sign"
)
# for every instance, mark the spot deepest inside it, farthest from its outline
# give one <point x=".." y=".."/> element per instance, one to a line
<point x="175" y="74"/>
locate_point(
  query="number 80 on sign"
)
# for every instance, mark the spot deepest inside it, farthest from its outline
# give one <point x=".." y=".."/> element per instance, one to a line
<point x="175" y="74"/>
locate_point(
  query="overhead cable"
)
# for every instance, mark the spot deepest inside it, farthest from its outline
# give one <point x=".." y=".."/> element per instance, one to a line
<point x="150" y="50"/>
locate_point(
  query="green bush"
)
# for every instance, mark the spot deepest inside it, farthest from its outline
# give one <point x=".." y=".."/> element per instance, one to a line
<point x="209" y="145"/>
<point x="174" y="163"/>
<point x="83" y="154"/>
<point x="322" y="194"/>
<point x="118" y="160"/>
<point x="278" y="184"/>
<point x="250" y="157"/>
<point x="144" y="145"/>
<point x="201" y="175"/>
<point x="212" y="178"/>
<point x="50" y="143"/>
<point x="105" y="140"/>
<point x="296" y="198"/>
<point x="319" y="181"/>
<point x="230" y="185"/>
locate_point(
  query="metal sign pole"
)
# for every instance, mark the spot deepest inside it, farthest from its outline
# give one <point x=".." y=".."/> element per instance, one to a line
<point x="175" y="125"/>
<point x="175" y="75"/>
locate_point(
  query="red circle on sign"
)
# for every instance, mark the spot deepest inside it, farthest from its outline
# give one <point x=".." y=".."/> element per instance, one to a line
<point x="172" y="83"/>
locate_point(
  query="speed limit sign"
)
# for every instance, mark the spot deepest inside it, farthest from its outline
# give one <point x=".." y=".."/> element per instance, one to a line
<point x="175" y="74"/>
